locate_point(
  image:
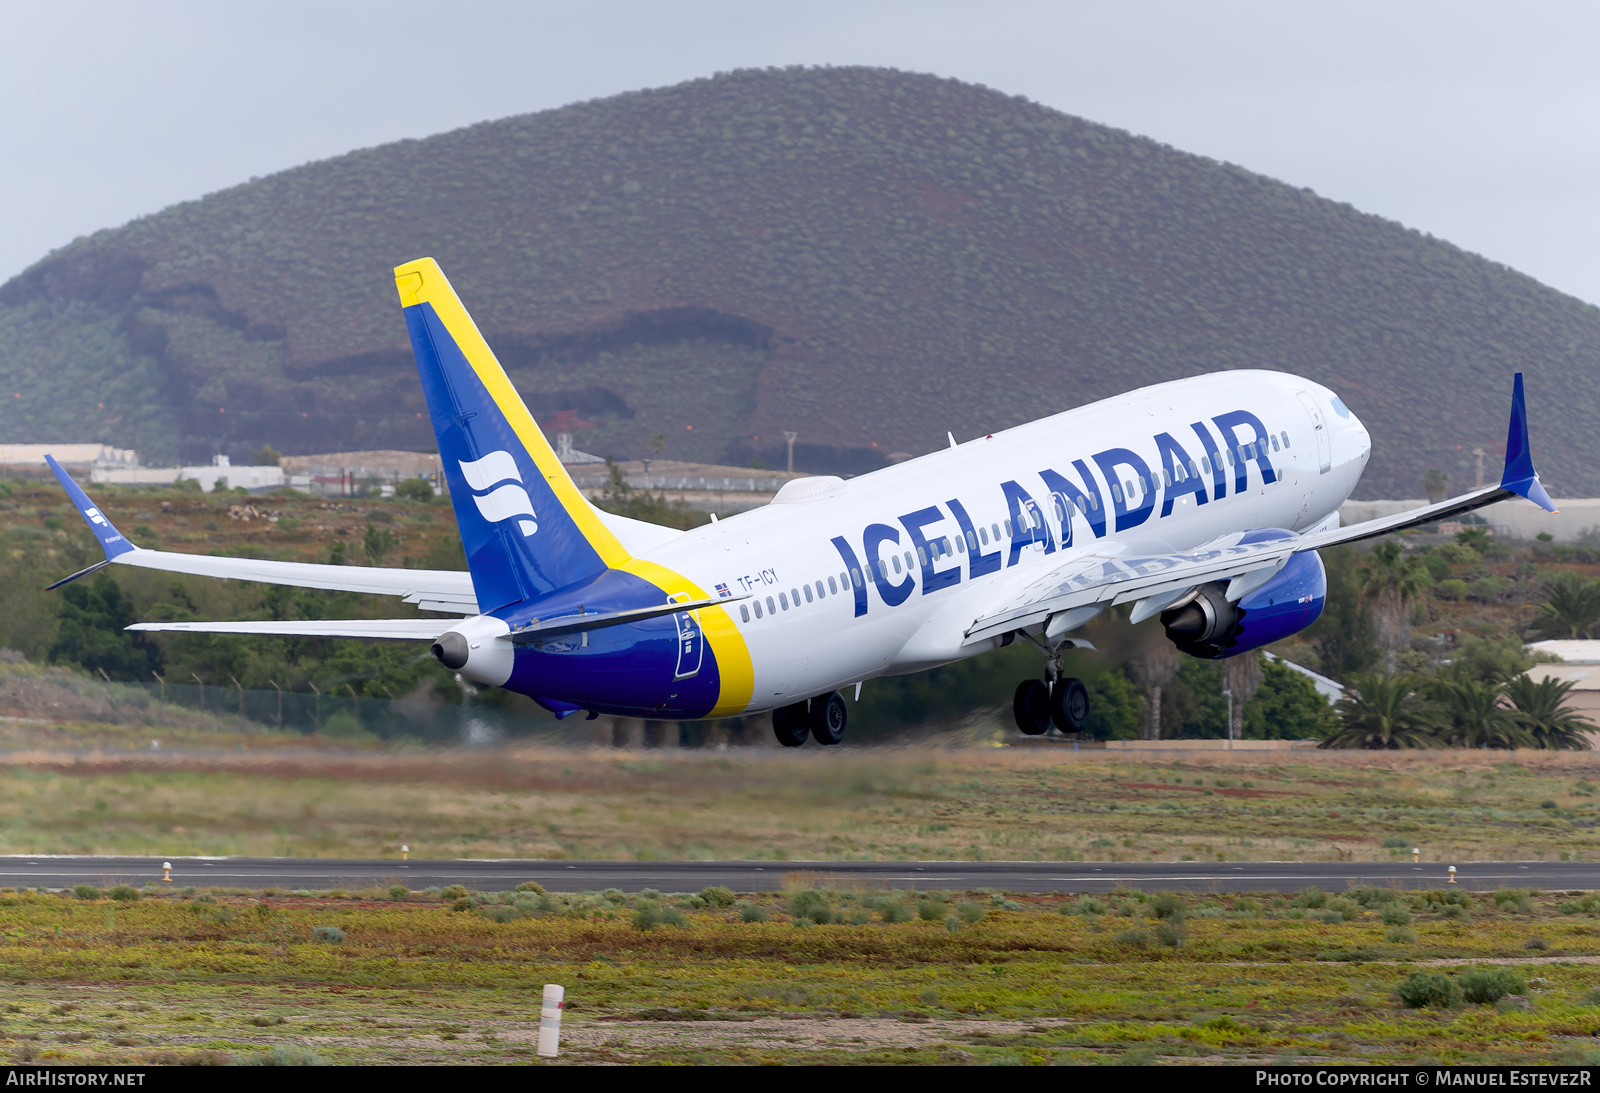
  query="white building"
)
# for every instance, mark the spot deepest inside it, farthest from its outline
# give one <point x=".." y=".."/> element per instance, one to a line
<point x="220" y="469"/>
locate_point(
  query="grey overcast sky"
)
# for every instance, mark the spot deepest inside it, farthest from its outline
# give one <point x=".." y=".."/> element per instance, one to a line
<point x="1478" y="122"/>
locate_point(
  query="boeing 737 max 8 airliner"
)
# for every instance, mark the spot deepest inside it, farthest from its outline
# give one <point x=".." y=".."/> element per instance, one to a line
<point x="1202" y="501"/>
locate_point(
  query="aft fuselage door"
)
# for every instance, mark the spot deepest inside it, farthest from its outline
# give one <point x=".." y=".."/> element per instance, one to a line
<point x="1319" y="428"/>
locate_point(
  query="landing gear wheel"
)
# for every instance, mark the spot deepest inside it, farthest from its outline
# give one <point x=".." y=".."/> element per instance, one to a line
<point x="1069" y="705"/>
<point x="1032" y="707"/>
<point x="828" y="717"/>
<point x="791" y="725"/>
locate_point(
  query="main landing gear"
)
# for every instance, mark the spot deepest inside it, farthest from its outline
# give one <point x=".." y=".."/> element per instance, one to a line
<point x="822" y="719"/>
<point x="1057" y="700"/>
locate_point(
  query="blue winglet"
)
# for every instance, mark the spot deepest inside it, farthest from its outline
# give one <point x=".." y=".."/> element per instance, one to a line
<point x="111" y="540"/>
<point x="1520" y="477"/>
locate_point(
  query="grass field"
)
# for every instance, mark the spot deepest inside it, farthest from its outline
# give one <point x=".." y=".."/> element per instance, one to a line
<point x="855" y="803"/>
<point x="400" y="977"/>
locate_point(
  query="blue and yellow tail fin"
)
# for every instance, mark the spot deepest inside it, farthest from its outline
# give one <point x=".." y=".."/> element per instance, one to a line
<point x="526" y="528"/>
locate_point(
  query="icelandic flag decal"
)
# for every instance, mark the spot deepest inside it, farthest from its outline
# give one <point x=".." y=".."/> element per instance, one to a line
<point x="722" y="590"/>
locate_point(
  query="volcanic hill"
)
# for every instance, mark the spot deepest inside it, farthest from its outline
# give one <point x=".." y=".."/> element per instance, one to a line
<point x="866" y="257"/>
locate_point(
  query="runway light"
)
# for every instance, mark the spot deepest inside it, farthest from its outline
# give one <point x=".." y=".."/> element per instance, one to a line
<point x="166" y="870"/>
<point x="1452" y="879"/>
<point x="405" y="852"/>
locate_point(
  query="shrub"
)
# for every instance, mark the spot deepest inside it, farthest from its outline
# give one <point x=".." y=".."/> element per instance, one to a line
<point x="1172" y="932"/>
<point x="1084" y="905"/>
<point x="1428" y="989"/>
<point x="1483" y="985"/>
<point x="671" y="916"/>
<point x="528" y="885"/>
<point x="328" y="935"/>
<point x="124" y="893"/>
<point x="810" y="903"/>
<point x="455" y="891"/>
<point x="894" y="911"/>
<point x="1513" y="901"/>
<point x="1538" y="944"/>
<point x="1400" y="935"/>
<point x="717" y="896"/>
<point x="399" y="891"/>
<point x="1311" y="899"/>
<point x="930" y="910"/>
<point x="1167" y="905"/>
<point x="646" y="916"/>
<point x="1373" y="897"/>
<point x="414" y="489"/>
<point x="970" y="912"/>
<point x="1132" y="939"/>
<point x="87" y="891"/>
<point x="1396" y="916"/>
<point x="1331" y="918"/>
<point x="285" y="1055"/>
<point x="1395" y="842"/>
<point x="750" y="912"/>
<point x="463" y="904"/>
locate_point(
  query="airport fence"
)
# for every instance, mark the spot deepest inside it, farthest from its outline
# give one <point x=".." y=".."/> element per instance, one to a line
<point x="333" y="715"/>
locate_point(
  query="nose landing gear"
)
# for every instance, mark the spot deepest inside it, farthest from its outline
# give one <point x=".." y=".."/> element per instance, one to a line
<point x="1057" y="700"/>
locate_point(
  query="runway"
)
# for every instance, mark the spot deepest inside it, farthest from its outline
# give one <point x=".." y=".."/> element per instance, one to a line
<point x="762" y="876"/>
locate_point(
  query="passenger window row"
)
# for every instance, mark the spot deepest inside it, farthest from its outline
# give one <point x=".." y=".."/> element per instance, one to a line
<point x="983" y="536"/>
<point x="812" y="592"/>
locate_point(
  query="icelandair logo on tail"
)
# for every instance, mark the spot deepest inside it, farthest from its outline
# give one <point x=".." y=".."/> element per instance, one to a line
<point x="507" y="500"/>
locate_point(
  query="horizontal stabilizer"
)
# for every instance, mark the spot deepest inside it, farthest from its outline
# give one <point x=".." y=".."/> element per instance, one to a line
<point x="444" y="590"/>
<point x="384" y="629"/>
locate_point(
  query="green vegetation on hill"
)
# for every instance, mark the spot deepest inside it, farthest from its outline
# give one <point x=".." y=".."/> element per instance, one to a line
<point x="864" y="256"/>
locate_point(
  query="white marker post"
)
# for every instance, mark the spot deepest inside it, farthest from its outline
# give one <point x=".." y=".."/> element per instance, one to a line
<point x="166" y="869"/>
<point x="1452" y="875"/>
<point x="1416" y="854"/>
<point x="550" y="1020"/>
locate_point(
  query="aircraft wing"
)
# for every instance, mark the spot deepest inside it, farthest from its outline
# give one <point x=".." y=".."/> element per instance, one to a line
<point x="389" y="629"/>
<point x="1072" y="593"/>
<point x="445" y="591"/>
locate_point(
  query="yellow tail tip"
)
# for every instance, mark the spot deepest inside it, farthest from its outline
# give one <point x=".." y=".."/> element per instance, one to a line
<point x="414" y="279"/>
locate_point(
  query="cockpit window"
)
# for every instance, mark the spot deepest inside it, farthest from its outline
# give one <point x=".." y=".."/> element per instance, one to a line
<point x="1340" y="408"/>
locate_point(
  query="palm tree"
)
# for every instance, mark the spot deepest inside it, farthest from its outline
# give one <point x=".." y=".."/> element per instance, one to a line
<point x="1154" y="663"/>
<point x="1542" y="709"/>
<point x="1391" y="583"/>
<point x="1384" y="712"/>
<point x="1475" y="714"/>
<point x="1573" y="609"/>
<point x="1241" y="677"/>
<point x="1436" y="485"/>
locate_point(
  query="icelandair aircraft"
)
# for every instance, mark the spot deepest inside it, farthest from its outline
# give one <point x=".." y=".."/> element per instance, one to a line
<point x="1202" y="502"/>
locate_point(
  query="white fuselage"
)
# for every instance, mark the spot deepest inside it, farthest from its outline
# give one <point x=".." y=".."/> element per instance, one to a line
<point x="1012" y="481"/>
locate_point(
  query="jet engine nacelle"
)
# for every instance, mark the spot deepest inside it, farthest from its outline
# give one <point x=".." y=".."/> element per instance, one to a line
<point x="1210" y="627"/>
<point x="474" y="648"/>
